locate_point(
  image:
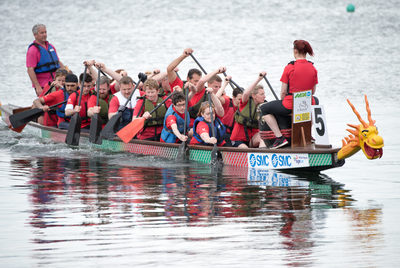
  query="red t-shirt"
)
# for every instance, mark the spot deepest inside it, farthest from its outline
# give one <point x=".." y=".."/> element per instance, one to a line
<point x="229" y="118"/>
<point x="300" y="76"/>
<point x="73" y="101"/>
<point x="93" y="99"/>
<point x="177" y="82"/>
<point x="238" y="132"/>
<point x="112" y="89"/>
<point x="46" y="88"/>
<point x="50" y="100"/>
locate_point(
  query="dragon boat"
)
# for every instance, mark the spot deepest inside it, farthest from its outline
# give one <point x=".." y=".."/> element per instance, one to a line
<point x="305" y="156"/>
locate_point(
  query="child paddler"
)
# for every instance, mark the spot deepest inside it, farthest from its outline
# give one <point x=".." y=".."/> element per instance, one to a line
<point x="202" y="127"/>
<point x="174" y="122"/>
<point x="154" y="122"/>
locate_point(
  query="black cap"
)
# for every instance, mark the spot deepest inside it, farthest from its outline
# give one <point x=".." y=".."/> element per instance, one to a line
<point x="71" y="78"/>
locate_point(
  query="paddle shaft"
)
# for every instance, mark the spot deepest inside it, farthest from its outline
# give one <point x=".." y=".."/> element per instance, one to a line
<point x="56" y="105"/>
<point x="214" y="152"/>
<point x="96" y="122"/>
<point x="212" y="116"/>
<point x="98" y="86"/>
<point x="269" y="85"/>
<point x="130" y="96"/>
<point x="186" y="108"/>
<point x="82" y="84"/>
<point x="161" y="103"/>
<point x="233" y="82"/>
<point x="47" y="92"/>
<point x="178" y="75"/>
<point x="201" y="67"/>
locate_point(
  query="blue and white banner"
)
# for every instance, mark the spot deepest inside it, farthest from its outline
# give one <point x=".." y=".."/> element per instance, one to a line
<point x="277" y="160"/>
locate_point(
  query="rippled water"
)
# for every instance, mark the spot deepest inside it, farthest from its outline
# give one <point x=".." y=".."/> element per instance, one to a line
<point x="62" y="206"/>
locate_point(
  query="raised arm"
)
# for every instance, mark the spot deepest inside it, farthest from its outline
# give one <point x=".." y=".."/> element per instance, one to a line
<point x="221" y="91"/>
<point x="219" y="110"/>
<point x="247" y="92"/>
<point x="114" y="75"/>
<point x="158" y="76"/>
<point x="92" y="71"/>
<point x="207" y="77"/>
<point x="171" y="67"/>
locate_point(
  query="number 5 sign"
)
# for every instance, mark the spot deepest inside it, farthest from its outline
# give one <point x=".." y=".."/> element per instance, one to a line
<point x="319" y="125"/>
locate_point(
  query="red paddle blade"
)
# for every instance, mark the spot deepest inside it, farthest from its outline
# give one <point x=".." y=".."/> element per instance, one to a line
<point x="130" y="130"/>
<point x="18" y="129"/>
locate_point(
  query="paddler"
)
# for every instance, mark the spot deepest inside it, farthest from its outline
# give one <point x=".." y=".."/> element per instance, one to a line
<point x="174" y="122"/>
<point x="245" y="131"/>
<point x="71" y="86"/>
<point x="202" y="127"/>
<point x="105" y="97"/>
<point x="154" y="122"/>
<point x="126" y="86"/>
<point x="72" y="104"/>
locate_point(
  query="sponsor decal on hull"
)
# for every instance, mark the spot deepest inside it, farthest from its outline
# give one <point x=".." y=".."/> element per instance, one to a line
<point x="277" y="160"/>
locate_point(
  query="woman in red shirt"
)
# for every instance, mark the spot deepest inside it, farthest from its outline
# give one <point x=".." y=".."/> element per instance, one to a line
<point x="298" y="75"/>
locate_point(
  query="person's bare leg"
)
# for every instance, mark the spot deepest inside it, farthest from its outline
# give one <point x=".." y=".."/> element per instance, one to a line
<point x="273" y="125"/>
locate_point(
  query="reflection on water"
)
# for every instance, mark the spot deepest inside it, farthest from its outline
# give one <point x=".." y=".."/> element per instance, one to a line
<point x="116" y="210"/>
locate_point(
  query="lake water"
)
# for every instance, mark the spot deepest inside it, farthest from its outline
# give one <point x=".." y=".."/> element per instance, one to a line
<point x="63" y="206"/>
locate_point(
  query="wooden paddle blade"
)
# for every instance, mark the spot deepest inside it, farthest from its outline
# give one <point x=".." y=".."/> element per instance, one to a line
<point x="74" y="130"/>
<point x="22" y="118"/>
<point x="95" y="129"/>
<point x="111" y="127"/>
<point x="130" y="130"/>
<point x="183" y="152"/>
<point x="18" y="110"/>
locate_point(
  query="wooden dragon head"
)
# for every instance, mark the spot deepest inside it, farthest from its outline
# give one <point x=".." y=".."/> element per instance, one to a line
<point x="364" y="136"/>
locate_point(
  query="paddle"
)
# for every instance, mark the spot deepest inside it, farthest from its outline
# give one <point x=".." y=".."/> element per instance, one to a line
<point x="129" y="131"/>
<point x="183" y="152"/>
<point x="198" y="63"/>
<point x="204" y="71"/>
<point x="22" y="118"/>
<point x="232" y="82"/>
<point x="95" y="121"/>
<point x="214" y="152"/>
<point x="74" y="128"/>
<point x="269" y="85"/>
<point x="112" y="125"/>
<point x="15" y="111"/>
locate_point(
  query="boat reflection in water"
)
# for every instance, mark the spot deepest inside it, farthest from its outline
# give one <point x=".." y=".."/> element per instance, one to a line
<point x="95" y="192"/>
